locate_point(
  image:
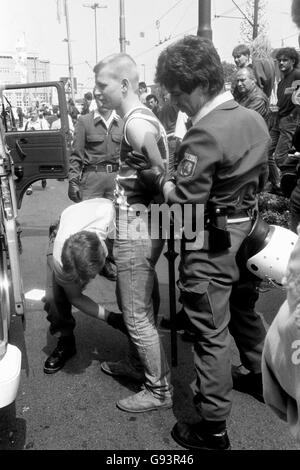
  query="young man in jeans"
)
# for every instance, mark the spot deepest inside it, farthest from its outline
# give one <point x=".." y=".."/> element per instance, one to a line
<point x="116" y="78"/>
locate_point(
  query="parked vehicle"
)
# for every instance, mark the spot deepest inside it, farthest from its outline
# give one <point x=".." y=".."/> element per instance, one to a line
<point x="25" y="157"/>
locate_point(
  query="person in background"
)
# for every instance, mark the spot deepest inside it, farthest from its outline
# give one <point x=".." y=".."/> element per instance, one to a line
<point x="143" y="92"/>
<point x="36" y="122"/>
<point x="87" y="99"/>
<point x="51" y="117"/>
<point x="153" y="104"/>
<point x="72" y="110"/>
<point x="56" y="124"/>
<point x="261" y="62"/>
<point x="249" y="93"/>
<point x="287" y="119"/>
<point x="168" y="117"/>
<point x="21" y="117"/>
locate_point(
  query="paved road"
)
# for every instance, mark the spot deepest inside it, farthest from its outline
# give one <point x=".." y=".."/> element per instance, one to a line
<point x="75" y="408"/>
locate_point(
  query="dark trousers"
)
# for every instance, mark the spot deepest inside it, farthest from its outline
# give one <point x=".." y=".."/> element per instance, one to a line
<point x="281" y="134"/>
<point x="97" y="184"/>
<point x="57" y="305"/>
<point x="295" y="207"/>
<point x="220" y="300"/>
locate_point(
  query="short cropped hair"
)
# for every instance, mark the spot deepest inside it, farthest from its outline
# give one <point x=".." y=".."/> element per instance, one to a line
<point x="88" y="96"/>
<point x="142" y="85"/>
<point x="82" y="256"/>
<point x="241" y="49"/>
<point x="290" y="53"/>
<point x="188" y="63"/>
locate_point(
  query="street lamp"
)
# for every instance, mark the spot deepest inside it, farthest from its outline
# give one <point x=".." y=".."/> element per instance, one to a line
<point x="94" y="7"/>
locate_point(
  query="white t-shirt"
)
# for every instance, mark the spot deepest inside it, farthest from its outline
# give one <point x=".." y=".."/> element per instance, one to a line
<point x="180" y="129"/>
<point x="94" y="215"/>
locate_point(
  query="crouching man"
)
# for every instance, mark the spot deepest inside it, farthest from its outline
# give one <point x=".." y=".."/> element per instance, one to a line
<point x="77" y="253"/>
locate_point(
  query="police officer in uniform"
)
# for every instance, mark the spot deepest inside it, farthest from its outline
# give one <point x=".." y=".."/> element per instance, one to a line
<point x="221" y="160"/>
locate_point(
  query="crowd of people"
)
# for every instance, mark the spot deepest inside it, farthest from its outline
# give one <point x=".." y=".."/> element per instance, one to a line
<point x="198" y="146"/>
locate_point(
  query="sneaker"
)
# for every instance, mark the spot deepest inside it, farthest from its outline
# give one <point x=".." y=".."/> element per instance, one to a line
<point x="122" y="369"/>
<point x="191" y="436"/>
<point x="64" y="350"/>
<point x="248" y="383"/>
<point x="144" y="401"/>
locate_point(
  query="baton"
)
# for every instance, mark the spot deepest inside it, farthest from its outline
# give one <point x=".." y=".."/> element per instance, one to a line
<point x="171" y="255"/>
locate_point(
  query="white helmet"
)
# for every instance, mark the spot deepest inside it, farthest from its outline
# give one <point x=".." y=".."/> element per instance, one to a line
<point x="270" y="263"/>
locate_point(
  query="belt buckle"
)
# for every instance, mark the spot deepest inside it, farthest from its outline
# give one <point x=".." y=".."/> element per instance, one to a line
<point x="109" y="168"/>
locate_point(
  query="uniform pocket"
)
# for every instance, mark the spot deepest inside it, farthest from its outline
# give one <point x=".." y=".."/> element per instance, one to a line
<point x="94" y="138"/>
<point x="206" y="304"/>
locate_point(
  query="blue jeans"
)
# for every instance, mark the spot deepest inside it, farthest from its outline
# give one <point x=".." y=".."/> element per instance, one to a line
<point x="136" y="254"/>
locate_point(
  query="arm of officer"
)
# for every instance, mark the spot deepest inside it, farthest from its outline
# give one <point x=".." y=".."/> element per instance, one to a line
<point x="141" y="133"/>
<point x="77" y="153"/>
<point x="199" y="154"/>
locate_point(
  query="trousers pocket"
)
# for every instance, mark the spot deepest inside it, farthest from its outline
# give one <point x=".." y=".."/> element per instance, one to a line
<point x="206" y="304"/>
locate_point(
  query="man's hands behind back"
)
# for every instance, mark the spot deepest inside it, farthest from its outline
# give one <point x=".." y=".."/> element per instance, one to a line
<point x="153" y="177"/>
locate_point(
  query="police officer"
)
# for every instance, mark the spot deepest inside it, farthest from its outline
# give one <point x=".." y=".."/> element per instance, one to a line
<point x="221" y="159"/>
<point x="94" y="159"/>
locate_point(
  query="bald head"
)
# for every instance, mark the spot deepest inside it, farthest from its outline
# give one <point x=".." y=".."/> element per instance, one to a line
<point x="245" y="80"/>
<point x="120" y="66"/>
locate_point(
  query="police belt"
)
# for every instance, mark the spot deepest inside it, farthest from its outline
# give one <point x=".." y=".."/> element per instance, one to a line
<point x="238" y="217"/>
<point x="102" y="167"/>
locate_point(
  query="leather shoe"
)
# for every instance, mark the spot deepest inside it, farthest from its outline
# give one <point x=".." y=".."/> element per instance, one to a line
<point x="144" y="401"/>
<point x="122" y="369"/>
<point x="248" y="383"/>
<point x="190" y="436"/>
<point x="109" y="271"/>
<point x="64" y="350"/>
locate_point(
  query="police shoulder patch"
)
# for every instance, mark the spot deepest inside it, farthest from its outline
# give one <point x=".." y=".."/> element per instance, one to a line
<point x="187" y="165"/>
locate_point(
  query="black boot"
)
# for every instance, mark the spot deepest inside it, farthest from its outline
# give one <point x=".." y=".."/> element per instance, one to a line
<point x="64" y="350"/>
<point x="248" y="383"/>
<point x="195" y="437"/>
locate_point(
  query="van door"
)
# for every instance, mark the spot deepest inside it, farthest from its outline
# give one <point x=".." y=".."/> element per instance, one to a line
<point x="37" y="132"/>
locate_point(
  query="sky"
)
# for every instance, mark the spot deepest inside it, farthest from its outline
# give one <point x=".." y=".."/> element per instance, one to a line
<point x="150" y="26"/>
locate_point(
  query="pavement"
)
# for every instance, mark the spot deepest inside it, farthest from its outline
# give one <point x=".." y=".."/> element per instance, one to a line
<point x="75" y="409"/>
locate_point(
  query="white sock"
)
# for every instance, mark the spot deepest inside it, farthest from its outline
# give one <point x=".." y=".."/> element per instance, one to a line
<point x="102" y="314"/>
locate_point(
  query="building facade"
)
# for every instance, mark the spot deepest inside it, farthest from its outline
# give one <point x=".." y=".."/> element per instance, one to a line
<point x="21" y="68"/>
